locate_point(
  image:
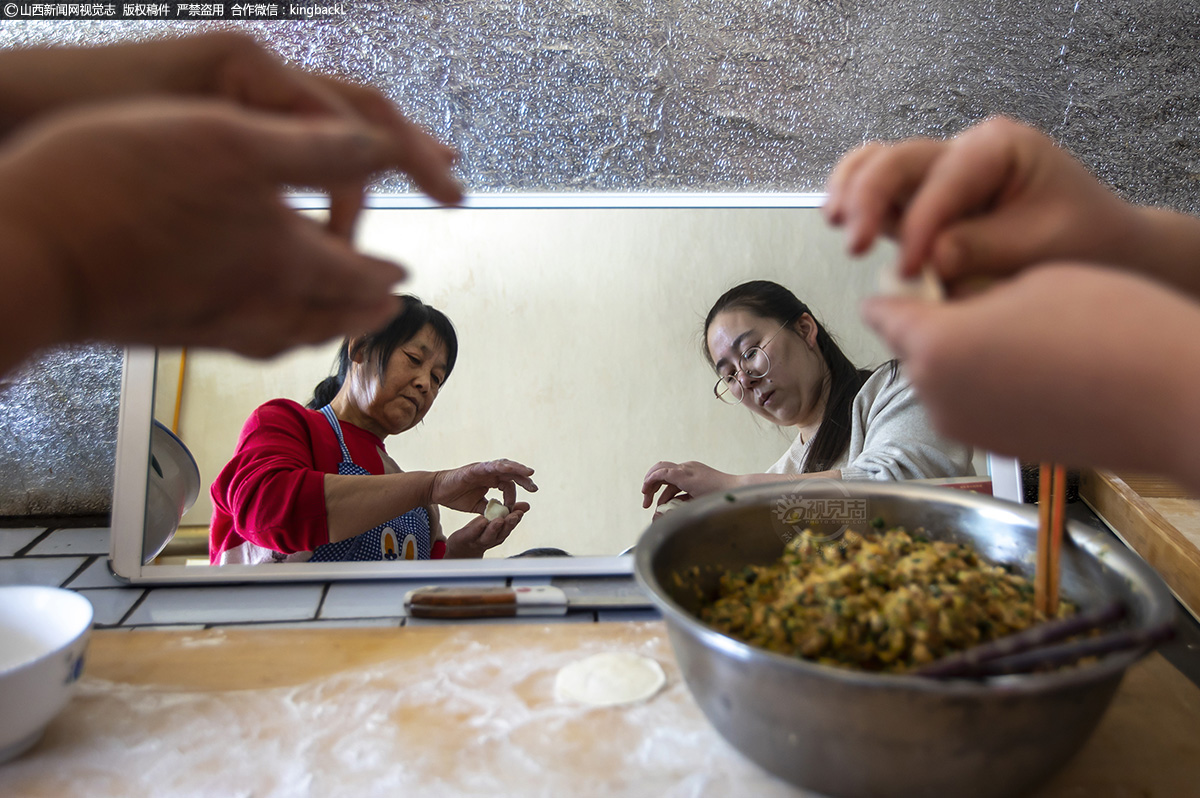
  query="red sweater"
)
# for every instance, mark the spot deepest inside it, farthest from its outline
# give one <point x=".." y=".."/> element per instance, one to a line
<point x="272" y="493"/>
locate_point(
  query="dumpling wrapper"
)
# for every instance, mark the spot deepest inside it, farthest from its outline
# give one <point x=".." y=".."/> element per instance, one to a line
<point x="609" y="679"/>
<point x="495" y="509"/>
<point x="669" y="505"/>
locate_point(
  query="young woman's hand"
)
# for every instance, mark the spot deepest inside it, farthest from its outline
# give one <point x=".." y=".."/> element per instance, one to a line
<point x="466" y="488"/>
<point x="479" y="534"/>
<point x="692" y="478"/>
<point x="997" y="198"/>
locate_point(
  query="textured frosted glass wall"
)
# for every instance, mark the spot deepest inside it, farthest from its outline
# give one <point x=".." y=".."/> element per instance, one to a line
<point x="679" y="95"/>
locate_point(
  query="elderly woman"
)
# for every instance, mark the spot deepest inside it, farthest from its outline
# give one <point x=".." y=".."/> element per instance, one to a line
<point x="774" y="358"/>
<point x="316" y="483"/>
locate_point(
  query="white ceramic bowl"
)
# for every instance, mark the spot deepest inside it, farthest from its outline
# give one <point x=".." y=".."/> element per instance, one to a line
<point x="43" y="634"/>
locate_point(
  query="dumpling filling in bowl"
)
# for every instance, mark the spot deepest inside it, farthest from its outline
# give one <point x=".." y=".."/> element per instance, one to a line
<point x="890" y="602"/>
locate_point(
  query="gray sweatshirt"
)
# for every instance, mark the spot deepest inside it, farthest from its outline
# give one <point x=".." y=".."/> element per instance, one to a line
<point x="890" y="438"/>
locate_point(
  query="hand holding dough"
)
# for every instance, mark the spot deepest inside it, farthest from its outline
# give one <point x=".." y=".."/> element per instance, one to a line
<point x="604" y="680"/>
<point x="494" y="510"/>
<point x="669" y="505"/>
<point x="926" y="286"/>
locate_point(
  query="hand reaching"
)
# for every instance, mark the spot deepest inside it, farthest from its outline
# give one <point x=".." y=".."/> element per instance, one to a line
<point x="675" y="479"/>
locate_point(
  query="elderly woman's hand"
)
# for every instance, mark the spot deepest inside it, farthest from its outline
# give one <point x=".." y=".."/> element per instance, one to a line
<point x="479" y="534"/>
<point x="466" y="488"/>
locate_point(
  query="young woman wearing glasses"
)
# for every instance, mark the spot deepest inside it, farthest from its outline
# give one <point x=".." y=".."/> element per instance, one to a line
<point x="772" y="356"/>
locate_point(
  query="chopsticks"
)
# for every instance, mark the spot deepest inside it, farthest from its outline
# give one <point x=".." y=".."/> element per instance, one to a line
<point x="1052" y="490"/>
<point x="980" y="660"/>
<point x="1032" y="650"/>
<point x="1048" y="645"/>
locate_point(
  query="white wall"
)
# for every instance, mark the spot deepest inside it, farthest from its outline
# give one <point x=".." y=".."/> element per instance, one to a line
<point x="579" y="334"/>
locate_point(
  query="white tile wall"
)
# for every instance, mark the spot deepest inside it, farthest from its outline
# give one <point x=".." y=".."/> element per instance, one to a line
<point x="72" y="541"/>
<point x="110" y="605"/>
<point x="52" y="571"/>
<point x="58" y="559"/>
<point x="13" y="540"/>
<point x="97" y="574"/>
<point x="228" y="604"/>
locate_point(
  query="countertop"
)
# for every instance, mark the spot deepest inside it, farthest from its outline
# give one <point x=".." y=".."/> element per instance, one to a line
<point x="464" y="710"/>
<point x="329" y="689"/>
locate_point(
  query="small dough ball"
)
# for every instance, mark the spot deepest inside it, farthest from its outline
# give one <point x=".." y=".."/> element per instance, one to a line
<point x="608" y="679"/>
<point x="926" y="286"/>
<point x="494" y="510"/>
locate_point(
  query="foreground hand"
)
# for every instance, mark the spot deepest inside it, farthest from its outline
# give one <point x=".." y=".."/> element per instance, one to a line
<point x="227" y="65"/>
<point x="231" y="67"/>
<point x="466" y="488"/>
<point x="1082" y="365"/>
<point x="692" y="478"/>
<point x="479" y="534"/>
<point x="997" y="198"/>
<point x="162" y="223"/>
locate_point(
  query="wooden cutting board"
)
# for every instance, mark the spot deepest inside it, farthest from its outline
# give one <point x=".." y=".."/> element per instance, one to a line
<point x="463" y="710"/>
<point x="1157" y="519"/>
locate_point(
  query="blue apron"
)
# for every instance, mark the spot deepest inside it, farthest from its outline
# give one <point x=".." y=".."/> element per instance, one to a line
<point x="403" y="538"/>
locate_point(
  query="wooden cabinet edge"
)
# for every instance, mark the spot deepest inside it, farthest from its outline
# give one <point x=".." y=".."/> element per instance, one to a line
<point x="1146" y="531"/>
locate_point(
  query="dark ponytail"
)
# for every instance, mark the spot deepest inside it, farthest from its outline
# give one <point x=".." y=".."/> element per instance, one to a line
<point x="413" y="317"/>
<point x="772" y="301"/>
<point x="328" y="388"/>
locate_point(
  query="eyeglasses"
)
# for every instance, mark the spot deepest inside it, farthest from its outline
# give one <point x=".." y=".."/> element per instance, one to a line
<point x="754" y="364"/>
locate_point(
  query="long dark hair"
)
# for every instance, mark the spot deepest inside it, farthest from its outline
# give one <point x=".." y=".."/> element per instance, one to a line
<point x="770" y="300"/>
<point x="379" y="345"/>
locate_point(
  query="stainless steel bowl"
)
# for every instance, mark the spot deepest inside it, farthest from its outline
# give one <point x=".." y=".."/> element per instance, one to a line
<point x="172" y="488"/>
<point x="851" y="733"/>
